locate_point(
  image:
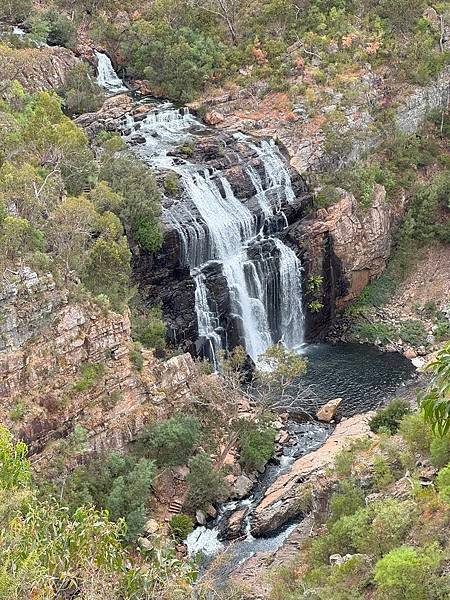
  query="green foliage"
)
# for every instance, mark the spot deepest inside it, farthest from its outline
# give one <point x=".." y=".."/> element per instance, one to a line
<point x="61" y="29"/>
<point x="134" y="181"/>
<point x="440" y="451"/>
<point x="375" y="332"/>
<point x="416" y="432"/>
<point x="18" y="411"/>
<point x="177" y="61"/>
<point x="206" y="484"/>
<point x="170" y="442"/>
<point x="90" y="373"/>
<point x="257" y="443"/>
<point x="382" y="474"/>
<point x="136" y="358"/>
<point x="19" y="237"/>
<point x="149" y="328"/>
<point x="172" y="184"/>
<point x="107" y="270"/>
<point x="116" y="482"/>
<point x="347" y="501"/>
<point x="15" y="9"/>
<point x="390" y="417"/>
<point x="443" y="483"/>
<point x="315" y="306"/>
<point x="413" y="332"/>
<point x="408" y="573"/>
<point x="14" y="465"/>
<point x="435" y="403"/>
<point x="181" y="526"/>
<point x="81" y="92"/>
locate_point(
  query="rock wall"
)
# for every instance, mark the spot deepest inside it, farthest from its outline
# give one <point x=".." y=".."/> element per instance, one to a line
<point x="37" y="69"/>
<point x="348" y="246"/>
<point x="48" y="342"/>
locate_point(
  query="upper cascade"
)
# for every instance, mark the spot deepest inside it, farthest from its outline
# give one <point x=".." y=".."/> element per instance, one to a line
<point x="107" y="78"/>
<point x="218" y="231"/>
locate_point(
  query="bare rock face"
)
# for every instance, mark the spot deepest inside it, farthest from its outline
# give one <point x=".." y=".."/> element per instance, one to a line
<point x="327" y="412"/>
<point x="348" y="246"/>
<point x="37" y="69"/>
<point x="48" y="345"/>
<point x="281" y="500"/>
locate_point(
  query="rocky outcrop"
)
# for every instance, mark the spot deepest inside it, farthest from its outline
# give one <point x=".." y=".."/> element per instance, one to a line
<point x="65" y="363"/>
<point x="327" y="412"/>
<point x="347" y="246"/>
<point x="37" y="69"/>
<point x="262" y="113"/>
<point x="282" y="500"/>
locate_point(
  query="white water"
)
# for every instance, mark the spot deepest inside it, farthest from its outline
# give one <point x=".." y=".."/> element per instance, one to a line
<point x="107" y="78"/>
<point x="263" y="275"/>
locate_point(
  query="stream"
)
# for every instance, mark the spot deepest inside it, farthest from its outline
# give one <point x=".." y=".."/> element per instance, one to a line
<point x="364" y="377"/>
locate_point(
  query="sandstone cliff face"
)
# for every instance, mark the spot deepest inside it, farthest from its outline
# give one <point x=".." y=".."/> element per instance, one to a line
<point x="348" y="246"/>
<point x="47" y="345"/>
<point x="37" y="69"/>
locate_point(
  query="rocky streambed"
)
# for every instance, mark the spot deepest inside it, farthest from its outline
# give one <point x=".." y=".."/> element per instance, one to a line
<point x="265" y="526"/>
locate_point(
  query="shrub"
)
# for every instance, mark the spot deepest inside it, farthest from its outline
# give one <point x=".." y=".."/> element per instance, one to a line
<point x="375" y="332"/>
<point x="90" y="373"/>
<point x="61" y="29"/>
<point x="443" y="483"/>
<point x="257" y="446"/>
<point x="408" y="573"/>
<point x="107" y="270"/>
<point x="389" y="418"/>
<point x="347" y="501"/>
<point x="181" y="526"/>
<point x="374" y="530"/>
<point x="170" y="442"/>
<point x="117" y="482"/>
<point x="136" y="358"/>
<point x="440" y="451"/>
<point x="18" y="411"/>
<point x="416" y="432"/>
<point x="383" y="475"/>
<point x="413" y="332"/>
<point x="172" y="184"/>
<point x="149" y="328"/>
<point x="81" y="92"/>
<point x="134" y="181"/>
<point x="206" y="484"/>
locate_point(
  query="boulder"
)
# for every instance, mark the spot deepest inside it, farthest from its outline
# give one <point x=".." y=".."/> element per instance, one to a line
<point x="200" y="517"/>
<point x="242" y="486"/>
<point x="327" y="412"/>
<point x="418" y="362"/>
<point x="236" y="523"/>
<point x="145" y="544"/>
<point x="409" y="353"/>
<point x="214" y="118"/>
<point x="151" y="526"/>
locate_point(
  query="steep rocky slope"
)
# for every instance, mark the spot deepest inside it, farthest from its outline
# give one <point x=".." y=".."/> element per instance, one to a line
<point x="65" y="362"/>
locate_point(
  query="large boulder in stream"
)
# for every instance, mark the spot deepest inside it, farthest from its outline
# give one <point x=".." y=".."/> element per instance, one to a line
<point x="280" y="502"/>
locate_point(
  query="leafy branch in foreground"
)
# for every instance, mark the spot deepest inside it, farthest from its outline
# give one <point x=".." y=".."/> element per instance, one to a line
<point x="435" y="403"/>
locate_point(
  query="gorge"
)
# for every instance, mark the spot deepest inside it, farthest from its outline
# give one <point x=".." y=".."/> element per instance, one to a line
<point x="224" y="286"/>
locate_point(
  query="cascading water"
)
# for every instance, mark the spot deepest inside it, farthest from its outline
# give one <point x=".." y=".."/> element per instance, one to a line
<point x="262" y="274"/>
<point x="107" y="78"/>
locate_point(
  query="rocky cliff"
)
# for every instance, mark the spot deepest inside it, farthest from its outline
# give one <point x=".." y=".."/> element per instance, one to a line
<point x="347" y="246"/>
<point x="37" y="69"/>
<point x="65" y="361"/>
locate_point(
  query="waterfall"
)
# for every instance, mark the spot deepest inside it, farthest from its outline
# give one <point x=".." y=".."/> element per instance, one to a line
<point x="106" y="76"/>
<point x="217" y="230"/>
